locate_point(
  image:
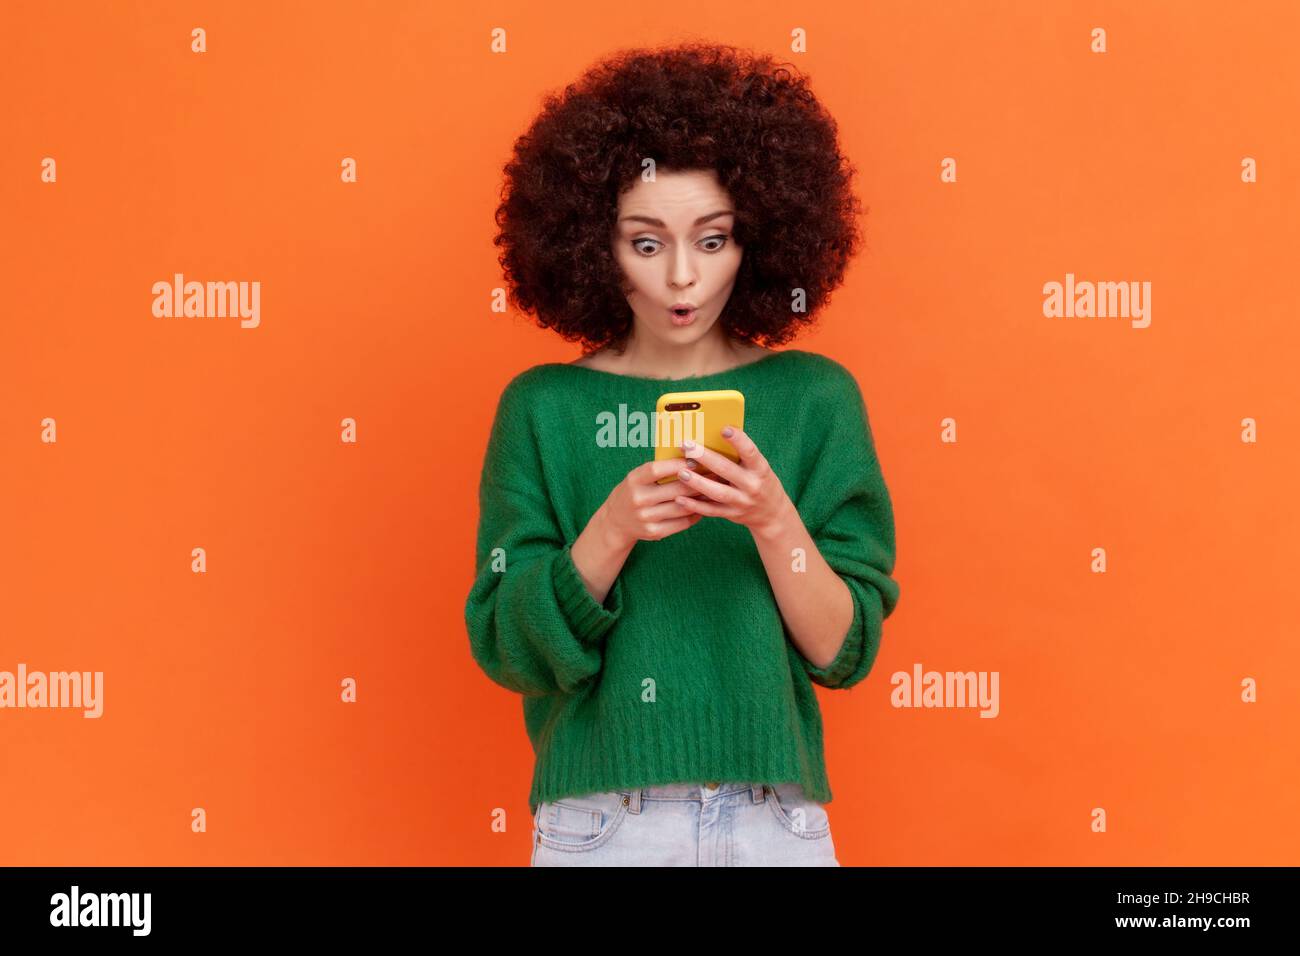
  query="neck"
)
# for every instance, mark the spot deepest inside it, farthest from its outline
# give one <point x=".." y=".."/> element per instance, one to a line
<point x="715" y="352"/>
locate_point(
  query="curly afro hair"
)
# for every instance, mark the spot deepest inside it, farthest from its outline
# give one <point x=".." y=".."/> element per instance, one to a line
<point x="694" y="106"/>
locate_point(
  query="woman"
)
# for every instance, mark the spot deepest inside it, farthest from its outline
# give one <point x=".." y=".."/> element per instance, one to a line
<point x="678" y="212"/>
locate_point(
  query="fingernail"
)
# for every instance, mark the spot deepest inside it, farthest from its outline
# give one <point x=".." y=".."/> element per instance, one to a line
<point x="684" y="475"/>
<point x="688" y="444"/>
<point x="728" y="432"/>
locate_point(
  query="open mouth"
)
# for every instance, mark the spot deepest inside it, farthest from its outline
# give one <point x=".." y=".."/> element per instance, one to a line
<point x="682" y="314"/>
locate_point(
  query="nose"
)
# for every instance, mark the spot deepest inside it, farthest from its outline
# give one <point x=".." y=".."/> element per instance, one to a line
<point x="682" y="269"/>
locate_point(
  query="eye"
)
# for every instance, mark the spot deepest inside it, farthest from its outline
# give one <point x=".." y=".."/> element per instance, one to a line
<point x="720" y="240"/>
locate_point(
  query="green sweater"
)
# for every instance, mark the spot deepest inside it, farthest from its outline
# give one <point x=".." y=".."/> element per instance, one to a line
<point x="685" y="673"/>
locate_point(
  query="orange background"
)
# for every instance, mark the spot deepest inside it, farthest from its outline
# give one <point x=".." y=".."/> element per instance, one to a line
<point x="1118" y="690"/>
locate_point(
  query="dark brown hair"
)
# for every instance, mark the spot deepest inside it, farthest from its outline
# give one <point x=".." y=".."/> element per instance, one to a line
<point x="694" y="106"/>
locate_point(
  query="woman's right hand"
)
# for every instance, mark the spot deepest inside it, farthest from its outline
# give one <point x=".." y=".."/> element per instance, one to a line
<point x="639" y="509"/>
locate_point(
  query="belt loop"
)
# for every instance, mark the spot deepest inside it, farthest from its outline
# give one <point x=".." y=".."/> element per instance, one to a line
<point x="759" y="792"/>
<point x="633" y="800"/>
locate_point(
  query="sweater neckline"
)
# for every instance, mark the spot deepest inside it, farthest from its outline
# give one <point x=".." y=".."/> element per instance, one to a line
<point x="687" y="380"/>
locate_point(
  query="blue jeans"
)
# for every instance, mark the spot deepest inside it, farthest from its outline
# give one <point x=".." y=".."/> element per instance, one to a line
<point x="680" y="824"/>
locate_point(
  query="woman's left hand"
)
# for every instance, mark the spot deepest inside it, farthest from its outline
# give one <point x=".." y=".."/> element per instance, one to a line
<point x="751" y="494"/>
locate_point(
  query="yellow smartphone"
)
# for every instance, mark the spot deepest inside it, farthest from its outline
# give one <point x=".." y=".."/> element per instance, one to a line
<point x="699" y="416"/>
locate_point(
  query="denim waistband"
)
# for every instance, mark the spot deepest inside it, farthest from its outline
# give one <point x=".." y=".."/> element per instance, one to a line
<point x="699" y="792"/>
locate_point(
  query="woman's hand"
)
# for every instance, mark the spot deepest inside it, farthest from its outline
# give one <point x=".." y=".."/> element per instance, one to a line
<point x="639" y="509"/>
<point x="751" y="493"/>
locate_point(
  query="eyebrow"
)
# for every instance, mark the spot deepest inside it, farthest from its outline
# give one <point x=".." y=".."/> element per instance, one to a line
<point x="660" y="223"/>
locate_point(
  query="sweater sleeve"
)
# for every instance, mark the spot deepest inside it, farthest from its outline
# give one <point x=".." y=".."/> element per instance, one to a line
<point x="846" y="508"/>
<point x="534" y="628"/>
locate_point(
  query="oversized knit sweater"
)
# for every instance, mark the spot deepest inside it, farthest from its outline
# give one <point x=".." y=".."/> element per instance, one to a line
<point x="686" y="672"/>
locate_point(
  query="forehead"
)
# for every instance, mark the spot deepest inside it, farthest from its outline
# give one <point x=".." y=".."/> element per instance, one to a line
<point x="674" y="196"/>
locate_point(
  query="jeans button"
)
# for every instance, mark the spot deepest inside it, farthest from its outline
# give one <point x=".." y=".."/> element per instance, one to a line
<point x="712" y="786"/>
